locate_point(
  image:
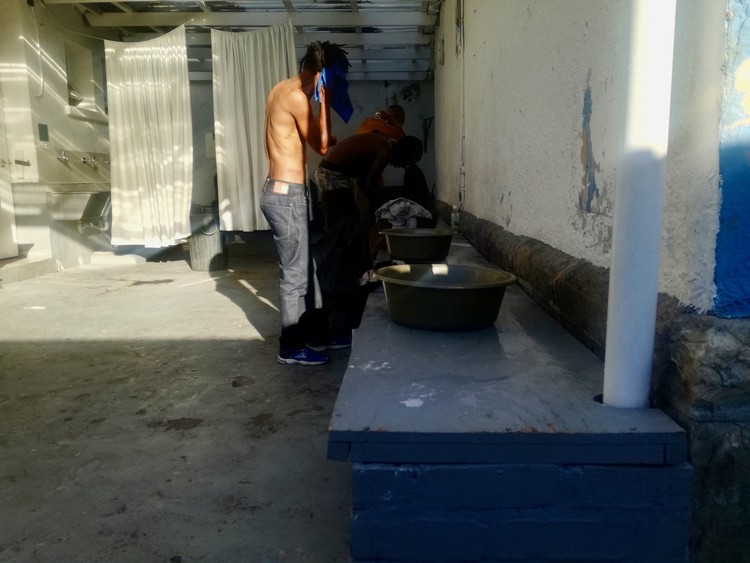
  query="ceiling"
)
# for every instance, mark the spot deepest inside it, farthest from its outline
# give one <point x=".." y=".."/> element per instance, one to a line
<point x="385" y="39"/>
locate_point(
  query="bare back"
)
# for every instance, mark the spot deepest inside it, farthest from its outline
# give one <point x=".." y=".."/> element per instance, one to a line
<point x="290" y="126"/>
<point x="363" y="156"/>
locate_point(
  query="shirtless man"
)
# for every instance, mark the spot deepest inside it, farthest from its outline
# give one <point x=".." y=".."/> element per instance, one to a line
<point x="290" y="126"/>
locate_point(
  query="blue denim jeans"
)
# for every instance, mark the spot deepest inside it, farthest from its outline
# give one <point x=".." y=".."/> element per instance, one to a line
<point x="299" y="292"/>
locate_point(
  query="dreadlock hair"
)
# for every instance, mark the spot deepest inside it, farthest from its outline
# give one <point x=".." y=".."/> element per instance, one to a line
<point x="335" y="56"/>
<point x="314" y="58"/>
<point x="319" y="55"/>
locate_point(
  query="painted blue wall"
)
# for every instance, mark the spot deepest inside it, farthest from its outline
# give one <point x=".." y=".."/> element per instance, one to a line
<point x="732" y="276"/>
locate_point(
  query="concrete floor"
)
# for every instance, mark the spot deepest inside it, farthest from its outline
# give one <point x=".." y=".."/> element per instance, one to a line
<point x="143" y="418"/>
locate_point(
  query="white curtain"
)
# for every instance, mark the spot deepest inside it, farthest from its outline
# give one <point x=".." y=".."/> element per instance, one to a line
<point x="151" y="140"/>
<point x="246" y="65"/>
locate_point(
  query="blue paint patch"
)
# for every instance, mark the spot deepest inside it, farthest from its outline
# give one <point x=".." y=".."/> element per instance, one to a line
<point x="590" y="167"/>
<point x="732" y="273"/>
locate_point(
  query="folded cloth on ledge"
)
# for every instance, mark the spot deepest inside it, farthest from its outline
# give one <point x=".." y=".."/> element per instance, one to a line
<point x="402" y="212"/>
<point x="334" y="78"/>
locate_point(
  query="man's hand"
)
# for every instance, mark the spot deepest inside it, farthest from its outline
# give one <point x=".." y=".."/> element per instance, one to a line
<point x="322" y="92"/>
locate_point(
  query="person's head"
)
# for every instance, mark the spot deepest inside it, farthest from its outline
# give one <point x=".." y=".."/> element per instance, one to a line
<point x="398" y="113"/>
<point x="314" y="58"/>
<point x="325" y="54"/>
<point x="393" y="115"/>
<point x="406" y="151"/>
<point x="335" y="56"/>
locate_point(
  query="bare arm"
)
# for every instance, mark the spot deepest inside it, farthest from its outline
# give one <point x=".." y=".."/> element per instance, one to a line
<point x="290" y="126"/>
<point x="370" y="177"/>
<point x="315" y="133"/>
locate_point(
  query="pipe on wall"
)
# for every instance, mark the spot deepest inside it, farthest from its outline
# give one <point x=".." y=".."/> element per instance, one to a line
<point x="636" y="236"/>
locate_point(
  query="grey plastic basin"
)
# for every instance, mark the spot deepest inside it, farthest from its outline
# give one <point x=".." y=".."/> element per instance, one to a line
<point x="418" y="245"/>
<point x="444" y="296"/>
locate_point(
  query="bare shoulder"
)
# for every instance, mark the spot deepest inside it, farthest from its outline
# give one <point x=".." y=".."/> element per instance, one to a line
<point x="297" y="101"/>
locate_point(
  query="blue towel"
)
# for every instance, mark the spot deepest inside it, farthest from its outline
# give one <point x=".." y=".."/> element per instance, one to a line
<point x="334" y="78"/>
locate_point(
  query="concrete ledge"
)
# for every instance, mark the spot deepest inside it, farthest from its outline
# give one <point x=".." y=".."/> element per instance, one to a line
<point x="526" y="536"/>
<point x="521" y="391"/>
<point x="16" y="270"/>
<point x="490" y="445"/>
<point x="507" y="486"/>
<point x="112" y="259"/>
<point x="701" y="374"/>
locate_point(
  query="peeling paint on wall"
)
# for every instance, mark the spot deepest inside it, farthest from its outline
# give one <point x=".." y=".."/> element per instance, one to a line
<point x="590" y="167"/>
<point x="408" y="93"/>
<point x="593" y="217"/>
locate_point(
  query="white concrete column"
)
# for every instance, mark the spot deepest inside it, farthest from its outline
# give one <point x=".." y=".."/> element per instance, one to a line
<point x="634" y="272"/>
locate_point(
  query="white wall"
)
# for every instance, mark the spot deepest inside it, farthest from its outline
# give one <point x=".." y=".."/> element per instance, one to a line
<point x="542" y="91"/>
<point x="41" y="96"/>
<point x="34" y="90"/>
<point x="8" y="236"/>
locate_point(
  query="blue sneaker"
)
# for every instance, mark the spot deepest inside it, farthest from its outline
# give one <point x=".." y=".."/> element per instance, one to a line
<point x="302" y="356"/>
<point x="335" y="343"/>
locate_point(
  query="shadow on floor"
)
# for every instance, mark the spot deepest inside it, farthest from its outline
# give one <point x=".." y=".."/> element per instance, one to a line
<point x="145" y="419"/>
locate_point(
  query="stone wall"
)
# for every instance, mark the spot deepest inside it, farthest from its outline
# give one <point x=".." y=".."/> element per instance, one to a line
<point x="703" y="382"/>
<point x="701" y="375"/>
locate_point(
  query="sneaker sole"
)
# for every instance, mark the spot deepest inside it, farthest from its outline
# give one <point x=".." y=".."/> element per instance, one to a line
<point x="289" y="361"/>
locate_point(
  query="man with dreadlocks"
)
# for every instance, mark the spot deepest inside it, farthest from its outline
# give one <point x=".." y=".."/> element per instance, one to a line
<point x="290" y="126"/>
